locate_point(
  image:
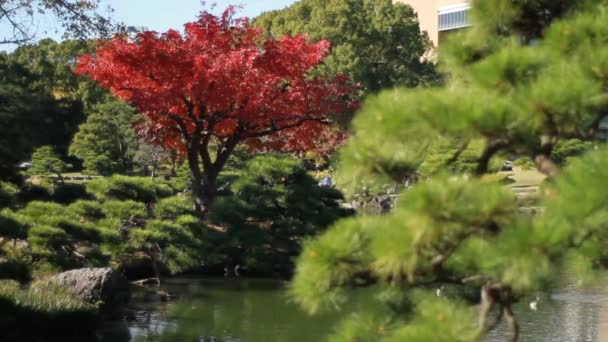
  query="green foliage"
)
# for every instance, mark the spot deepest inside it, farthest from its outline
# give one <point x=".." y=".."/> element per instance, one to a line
<point x="170" y="243"/>
<point x="124" y="210"/>
<point x="106" y="142"/>
<point x="10" y="227"/>
<point x="129" y="188"/>
<point x="503" y="98"/>
<point x="377" y="43"/>
<point x="47" y="239"/>
<point x="432" y="312"/>
<point x="564" y="150"/>
<point x="50" y="68"/>
<point x="87" y="210"/>
<point x="274" y="206"/>
<point x="8" y="195"/>
<point x="54" y="232"/>
<point x="171" y="208"/>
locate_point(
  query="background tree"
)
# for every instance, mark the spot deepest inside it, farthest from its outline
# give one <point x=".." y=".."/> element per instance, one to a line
<point x="46" y="162"/>
<point x="150" y="156"/>
<point x="377" y="43"/>
<point x="220" y="85"/>
<point x="79" y="19"/>
<point x="527" y="76"/>
<point x="106" y="142"/>
<point x="51" y="71"/>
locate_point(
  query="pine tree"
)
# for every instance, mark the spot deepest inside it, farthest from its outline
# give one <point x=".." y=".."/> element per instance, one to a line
<point x="527" y="77"/>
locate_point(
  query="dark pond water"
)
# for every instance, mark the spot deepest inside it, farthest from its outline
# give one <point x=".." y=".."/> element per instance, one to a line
<point x="254" y="310"/>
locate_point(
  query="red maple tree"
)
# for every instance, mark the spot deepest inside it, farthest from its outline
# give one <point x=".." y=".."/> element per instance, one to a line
<point x="219" y="84"/>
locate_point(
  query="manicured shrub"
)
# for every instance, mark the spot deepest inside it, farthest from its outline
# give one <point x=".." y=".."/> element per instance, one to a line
<point x="171" y="207"/>
<point x="129" y="188"/>
<point x="10" y="227"/>
<point x="77" y="231"/>
<point x="8" y="195"/>
<point x="46" y="239"/>
<point x="88" y="210"/>
<point x="41" y="210"/>
<point x="569" y="148"/>
<point x="124" y="210"/>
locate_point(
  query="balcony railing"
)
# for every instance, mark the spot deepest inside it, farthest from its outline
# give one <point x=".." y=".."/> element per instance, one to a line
<point x="454" y="17"/>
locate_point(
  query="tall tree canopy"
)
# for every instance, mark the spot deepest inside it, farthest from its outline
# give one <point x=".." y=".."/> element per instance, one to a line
<point x="220" y="84"/>
<point x="79" y="18"/>
<point x="51" y="69"/>
<point x="375" y="42"/>
<point x="528" y="75"/>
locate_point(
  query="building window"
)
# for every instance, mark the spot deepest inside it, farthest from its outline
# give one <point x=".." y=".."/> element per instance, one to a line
<point x="454" y="17"/>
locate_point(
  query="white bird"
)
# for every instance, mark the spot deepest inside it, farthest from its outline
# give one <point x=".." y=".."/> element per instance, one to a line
<point x="438" y="292"/>
<point x="534" y="304"/>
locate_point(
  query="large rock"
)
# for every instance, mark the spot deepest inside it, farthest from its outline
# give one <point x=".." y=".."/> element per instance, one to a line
<point x="95" y="284"/>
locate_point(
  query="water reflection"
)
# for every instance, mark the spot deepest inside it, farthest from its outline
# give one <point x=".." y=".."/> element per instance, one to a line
<point x="569" y="315"/>
<point x="258" y="310"/>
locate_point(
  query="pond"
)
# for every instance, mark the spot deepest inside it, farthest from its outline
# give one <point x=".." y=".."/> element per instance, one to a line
<point x="258" y="310"/>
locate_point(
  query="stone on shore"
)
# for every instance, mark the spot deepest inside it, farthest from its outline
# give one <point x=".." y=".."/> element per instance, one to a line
<point x="95" y="284"/>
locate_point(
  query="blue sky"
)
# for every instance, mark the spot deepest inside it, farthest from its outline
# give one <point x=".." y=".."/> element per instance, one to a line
<point x="161" y="15"/>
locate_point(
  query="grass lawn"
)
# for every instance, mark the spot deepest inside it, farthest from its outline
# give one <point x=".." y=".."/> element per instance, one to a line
<point x="525" y="178"/>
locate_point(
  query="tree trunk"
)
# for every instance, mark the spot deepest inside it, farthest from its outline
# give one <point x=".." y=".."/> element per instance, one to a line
<point x="61" y="180"/>
<point x="153" y="174"/>
<point x="174" y="157"/>
<point x="204" y="192"/>
<point x="204" y="187"/>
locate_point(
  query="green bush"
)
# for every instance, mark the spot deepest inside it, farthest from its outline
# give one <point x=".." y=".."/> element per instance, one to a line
<point x="88" y="210"/>
<point x="10" y="227"/>
<point x="77" y="231"/>
<point x="47" y="239"/>
<point x="8" y="195"/>
<point x="60" y="217"/>
<point x="129" y="188"/>
<point x="569" y="148"/>
<point x="124" y="210"/>
<point x="172" y="207"/>
<point x="41" y="210"/>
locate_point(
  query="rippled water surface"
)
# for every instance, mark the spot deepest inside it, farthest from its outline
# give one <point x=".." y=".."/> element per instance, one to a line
<point x="250" y="310"/>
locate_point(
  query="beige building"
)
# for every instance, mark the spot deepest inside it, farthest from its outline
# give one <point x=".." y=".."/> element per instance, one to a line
<point x="439" y="17"/>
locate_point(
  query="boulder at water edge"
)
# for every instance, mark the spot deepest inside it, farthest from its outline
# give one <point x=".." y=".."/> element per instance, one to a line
<point x="95" y="284"/>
